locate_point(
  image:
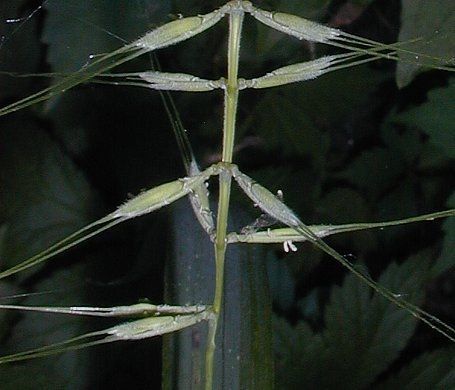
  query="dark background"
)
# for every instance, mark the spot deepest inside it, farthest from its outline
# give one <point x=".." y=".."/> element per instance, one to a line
<point x="348" y="147"/>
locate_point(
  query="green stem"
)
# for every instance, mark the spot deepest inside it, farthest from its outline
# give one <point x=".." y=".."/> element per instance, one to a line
<point x="230" y="111"/>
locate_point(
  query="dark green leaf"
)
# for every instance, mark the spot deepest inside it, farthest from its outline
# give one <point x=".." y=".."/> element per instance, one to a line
<point x="66" y="371"/>
<point x="298" y="354"/>
<point x="43" y="196"/>
<point x="406" y="144"/>
<point x="337" y="95"/>
<point x="285" y="126"/>
<point x="19" y="47"/>
<point x="294" y="119"/>
<point x="430" y="371"/>
<point x="71" y="118"/>
<point x="374" y="170"/>
<point x="434" y="23"/>
<point x="401" y="201"/>
<point x="364" y="334"/>
<point x="344" y="205"/>
<point x="74" y="30"/>
<point x="435" y="118"/>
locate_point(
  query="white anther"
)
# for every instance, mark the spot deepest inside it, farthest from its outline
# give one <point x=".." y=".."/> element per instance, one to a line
<point x="289" y="246"/>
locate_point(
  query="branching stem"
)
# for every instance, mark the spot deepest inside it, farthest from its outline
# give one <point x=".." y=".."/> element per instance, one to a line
<point x="230" y="110"/>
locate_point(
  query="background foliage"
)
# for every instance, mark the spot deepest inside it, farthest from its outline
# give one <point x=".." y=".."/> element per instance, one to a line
<point x="349" y="147"/>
